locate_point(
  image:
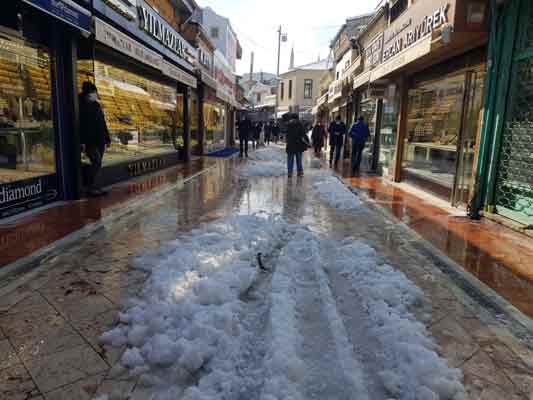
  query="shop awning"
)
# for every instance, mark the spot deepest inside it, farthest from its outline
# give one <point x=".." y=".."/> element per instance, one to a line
<point x="67" y="11"/>
<point x="361" y="79"/>
<point x="209" y="80"/>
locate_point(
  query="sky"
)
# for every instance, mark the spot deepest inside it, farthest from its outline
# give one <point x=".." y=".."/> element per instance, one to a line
<point x="309" y="24"/>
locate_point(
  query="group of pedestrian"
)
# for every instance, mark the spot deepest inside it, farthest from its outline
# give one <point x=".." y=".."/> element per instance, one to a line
<point x="337" y="130"/>
<point x="250" y="131"/>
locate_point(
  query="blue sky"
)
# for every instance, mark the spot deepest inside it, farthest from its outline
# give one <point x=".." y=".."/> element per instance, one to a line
<point x="309" y="24"/>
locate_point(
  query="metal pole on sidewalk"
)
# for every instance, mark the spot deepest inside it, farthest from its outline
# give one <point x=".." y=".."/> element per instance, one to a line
<point x="277" y="75"/>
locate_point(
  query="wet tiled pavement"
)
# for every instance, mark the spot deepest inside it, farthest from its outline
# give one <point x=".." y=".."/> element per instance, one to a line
<point x="49" y="325"/>
<point x="27" y="234"/>
<point x="496" y="255"/>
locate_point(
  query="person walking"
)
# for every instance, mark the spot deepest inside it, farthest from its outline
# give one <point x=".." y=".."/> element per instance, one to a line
<point x="256" y="133"/>
<point x="276" y="131"/>
<point x="337" y="130"/>
<point x="359" y="134"/>
<point x="94" y="135"/>
<point x="297" y="143"/>
<point x="318" y="137"/>
<point x="268" y="132"/>
<point x="245" y="128"/>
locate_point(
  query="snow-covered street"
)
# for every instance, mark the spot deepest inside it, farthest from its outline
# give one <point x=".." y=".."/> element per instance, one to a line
<point x="244" y="284"/>
<point x="262" y="305"/>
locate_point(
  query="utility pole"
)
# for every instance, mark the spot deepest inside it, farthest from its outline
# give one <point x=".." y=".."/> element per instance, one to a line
<point x="280" y="37"/>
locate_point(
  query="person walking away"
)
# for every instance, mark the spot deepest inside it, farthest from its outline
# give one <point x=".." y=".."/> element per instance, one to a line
<point x="94" y="135"/>
<point x="276" y="131"/>
<point x="318" y="136"/>
<point x="297" y="143"/>
<point x="268" y="132"/>
<point x="337" y="130"/>
<point x="245" y="127"/>
<point x="359" y="134"/>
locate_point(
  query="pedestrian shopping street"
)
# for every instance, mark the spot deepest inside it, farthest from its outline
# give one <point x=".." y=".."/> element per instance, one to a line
<point x="239" y="283"/>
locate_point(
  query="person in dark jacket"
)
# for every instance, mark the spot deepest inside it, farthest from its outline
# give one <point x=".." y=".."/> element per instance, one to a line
<point x="297" y="143"/>
<point x="359" y="134"/>
<point x="94" y="135"/>
<point x="268" y="132"/>
<point x="337" y="130"/>
<point x="256" y="134"/>
<point x="276" y="132"/>
<point x="245" y="128"/>
<point x="318" y="137"/>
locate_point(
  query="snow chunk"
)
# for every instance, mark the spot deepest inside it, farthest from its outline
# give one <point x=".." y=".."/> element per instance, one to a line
<point x="335" y="194"/>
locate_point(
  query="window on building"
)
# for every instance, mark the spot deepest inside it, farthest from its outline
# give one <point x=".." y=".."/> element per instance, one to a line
<point x="397" y="8"/>
<point x="308" y="89"/>
<point x="282" y="90"/>
<point x="215" y="32"/>
<point x="290" y="89"/>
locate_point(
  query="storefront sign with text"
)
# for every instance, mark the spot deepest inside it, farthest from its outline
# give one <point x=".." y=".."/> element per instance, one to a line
<point x="20" y="196"/>
<point x="144" y="166"/>
<point x="407" y="35"/>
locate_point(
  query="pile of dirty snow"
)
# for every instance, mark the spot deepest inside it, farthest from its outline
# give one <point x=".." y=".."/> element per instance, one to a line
<point x="186" y="324"/>
<point x="334" y="193"/>
<point x="412" y="369"/>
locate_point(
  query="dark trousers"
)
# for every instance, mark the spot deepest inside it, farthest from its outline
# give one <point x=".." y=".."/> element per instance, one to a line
<point x="267" y="138"/>
<point x="95" y="154"/>
<point x="290" y="162"/>
<point x="335" y="149"/>
<point x="357" y="155"/>
<point x="244" y="146"/>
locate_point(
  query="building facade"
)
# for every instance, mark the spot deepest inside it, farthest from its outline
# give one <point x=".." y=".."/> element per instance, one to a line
<point x="418" y="78"/>
<point x="154" y="66"/>
<point x="299" y="88"/>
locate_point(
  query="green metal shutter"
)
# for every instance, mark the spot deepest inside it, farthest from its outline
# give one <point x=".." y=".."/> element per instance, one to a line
<point x="514" y="180"/>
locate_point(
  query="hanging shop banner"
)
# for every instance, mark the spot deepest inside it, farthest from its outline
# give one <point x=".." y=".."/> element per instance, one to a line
<point x="20" y="196"/>
<point x="67" y="11"/>
<point x="178" y="75"/>
<point x="115" y="39"/>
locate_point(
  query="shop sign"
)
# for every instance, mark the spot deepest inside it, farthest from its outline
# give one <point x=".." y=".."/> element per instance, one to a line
<point x="67" y="11"/>
<point x="159" y="29"/>
<point x="142" y="167"/>
<point x="209" y="80"/>
<point x="115" y="39"/>
<point x="17" y="197"/>
<point x="178" y="75"/>
<point x="374" y="52"/>
<point x="121" y="8"/>
<point x="406" y="57"/>
<point x="408" y="33"/>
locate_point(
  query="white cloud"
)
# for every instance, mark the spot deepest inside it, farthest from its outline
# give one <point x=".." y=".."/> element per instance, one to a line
<point x="310" y="25"/>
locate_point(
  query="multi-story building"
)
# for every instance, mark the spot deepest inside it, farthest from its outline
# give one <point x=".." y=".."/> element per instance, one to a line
<point x="219" y="108"/>
<point x="418" y="77"/>
<point x="299" y="88"/>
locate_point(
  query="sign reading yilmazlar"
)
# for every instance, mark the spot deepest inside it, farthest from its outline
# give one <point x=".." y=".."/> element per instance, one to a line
<point x="20" y="196"/>
<point x="67" y="11"/>
<point x="417" y="25"/>
<point x="152" y="23"/>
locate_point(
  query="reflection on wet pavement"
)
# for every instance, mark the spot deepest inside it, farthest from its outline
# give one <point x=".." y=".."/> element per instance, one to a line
<point x="496" y="255"/>
<point x="28" y="234"/>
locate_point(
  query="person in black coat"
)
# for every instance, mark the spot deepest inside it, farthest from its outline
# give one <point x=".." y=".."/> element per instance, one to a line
<point x="94" y="135"/>
<point x="297" y="143"/>
<point x="268" y="132"/>
<point x="318" y="137"/>
<point x="337" y="130"/>
<point x="245" y="128"/>
<point x="276" y="131"/>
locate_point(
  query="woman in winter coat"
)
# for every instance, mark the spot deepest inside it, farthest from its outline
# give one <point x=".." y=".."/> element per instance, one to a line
<point x="318" y="136"/>
<point x="297" y="143"/>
